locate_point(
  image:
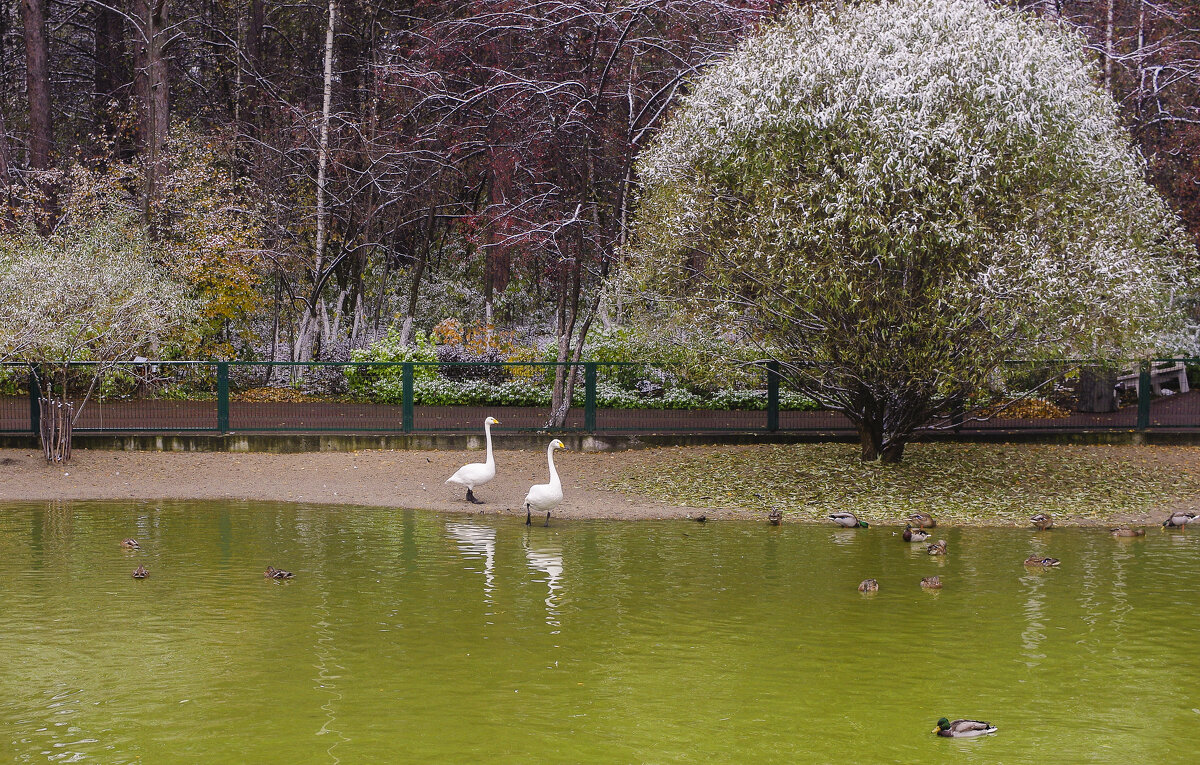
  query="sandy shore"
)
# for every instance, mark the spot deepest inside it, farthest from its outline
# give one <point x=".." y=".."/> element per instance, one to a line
<point x="416" y="479"/>
<point x="408" y="479"/>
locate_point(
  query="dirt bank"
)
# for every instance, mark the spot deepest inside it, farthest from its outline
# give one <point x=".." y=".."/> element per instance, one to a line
<point x="962" y="484"/>
<point x="409" y="479"/>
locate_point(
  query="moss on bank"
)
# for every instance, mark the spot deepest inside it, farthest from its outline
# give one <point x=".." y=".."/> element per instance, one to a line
<point x="959" y="483"/>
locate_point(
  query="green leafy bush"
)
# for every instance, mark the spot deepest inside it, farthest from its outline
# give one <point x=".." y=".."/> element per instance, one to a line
<point x="371" y="381"/>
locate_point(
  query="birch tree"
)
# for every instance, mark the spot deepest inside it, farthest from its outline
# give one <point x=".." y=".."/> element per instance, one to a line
<point x="892" y="198"/>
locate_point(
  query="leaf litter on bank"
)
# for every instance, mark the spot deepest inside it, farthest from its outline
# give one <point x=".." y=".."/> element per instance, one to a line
<point x="957" y="482"/>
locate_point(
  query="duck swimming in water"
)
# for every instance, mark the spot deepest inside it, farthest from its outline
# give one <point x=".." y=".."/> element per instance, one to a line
<point x="277" y="573"/>
<point x="914" y="535"/>
<point x="868" y="585"/>
<point x="963" y="728"/>
<point x="776" y="517"/>
<point x="847" y="520"/>
<point x="130" y="544"/>
<point x="932" y="583"/>
<point x="1124" y="531"/>
<point x="140" y="572"/>
<point x="1034" y="560"/>
<point x="937" y="548"/>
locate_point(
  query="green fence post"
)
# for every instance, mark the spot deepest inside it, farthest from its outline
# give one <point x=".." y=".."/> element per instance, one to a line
<point x="35" y="409"/>
<point x="223" y="396"/>
<point x="589" y="397"/>
<point x="772" y="396"/>
<point x="1143" y="419"/>
<point x="407" y="391"/>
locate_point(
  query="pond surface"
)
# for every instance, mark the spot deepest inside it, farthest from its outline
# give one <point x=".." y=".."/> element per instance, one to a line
<point x="416" y="637"/>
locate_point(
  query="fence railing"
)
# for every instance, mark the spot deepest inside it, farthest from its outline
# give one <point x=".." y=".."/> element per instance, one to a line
<point x="609" y="398"/>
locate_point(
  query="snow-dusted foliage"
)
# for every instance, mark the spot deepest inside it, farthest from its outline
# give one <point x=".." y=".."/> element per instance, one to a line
<point x="91" y="291"/>
<point x="897" y="195"/>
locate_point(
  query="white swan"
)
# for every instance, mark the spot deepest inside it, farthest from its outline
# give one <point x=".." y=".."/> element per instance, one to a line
<point x="545" y="496"/>
<point x="477" y="473"/>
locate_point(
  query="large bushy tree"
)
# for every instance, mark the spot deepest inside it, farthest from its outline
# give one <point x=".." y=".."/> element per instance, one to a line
<point x="90" y="291"/>
<point x="893" y="197"/>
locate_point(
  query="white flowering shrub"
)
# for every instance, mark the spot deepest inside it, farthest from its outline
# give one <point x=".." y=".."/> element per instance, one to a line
<point x="894" y="197"/>
<point x="91" y="291"/>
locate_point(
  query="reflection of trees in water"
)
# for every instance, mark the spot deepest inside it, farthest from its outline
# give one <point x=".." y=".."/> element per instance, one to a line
<point x="547" y="559"/>
<point x="1034" y="609"/>
<point x="478" y="542"/>
<point x="329" y="671"/>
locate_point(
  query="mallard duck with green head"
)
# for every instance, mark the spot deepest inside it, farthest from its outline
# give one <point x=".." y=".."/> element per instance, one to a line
<point x="963" y="728"/>
<point x="847" y="520"/>
<point x="1179" y="519"/>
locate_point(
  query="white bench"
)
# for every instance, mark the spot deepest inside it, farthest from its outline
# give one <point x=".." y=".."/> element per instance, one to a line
<point x="1160" y="372"/>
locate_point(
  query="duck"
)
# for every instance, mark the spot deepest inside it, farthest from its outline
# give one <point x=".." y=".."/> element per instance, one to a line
<point x="1034" y="560"/>
<point x="277" y="573"/>
<point x="699" y="518"/>
<point x="140" y="572"/>
<point x="1042" y="521"/>
<point x="130" y="544"/>
<point x="547" y="496"/>
<point x="775" y="517"/>
<point x="932" y="583"/>
<point x="847" y="520"/>
<point x="922" y="520"/>
<point x="868" y="585"/>
<point x="963" y="728"/>
<point x="1179" y="519"/>
<point x="937" y="548"/>
<point x="1125" y="531"/>
<point x="914" y="535"/>
<point x="477" y="473"/>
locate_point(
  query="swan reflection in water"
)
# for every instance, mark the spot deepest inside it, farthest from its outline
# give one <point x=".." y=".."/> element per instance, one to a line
<point x="475" y="542"/>
<point x="549" y="561"/>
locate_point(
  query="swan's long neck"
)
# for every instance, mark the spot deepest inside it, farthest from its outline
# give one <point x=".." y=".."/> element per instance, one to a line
<point x="487" y="434"/>
<point x="553" y="473"/>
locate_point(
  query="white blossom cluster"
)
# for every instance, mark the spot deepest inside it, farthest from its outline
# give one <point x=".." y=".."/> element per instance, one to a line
<point x="88" y="292"/>
<point x="935" y="173"/>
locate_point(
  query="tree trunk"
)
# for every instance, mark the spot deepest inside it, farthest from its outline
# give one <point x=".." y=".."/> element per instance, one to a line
<point x="870" y="439"/>
<point x="311" y="321"/>
<point x="153" y="95"/>
<point x="37" y="82"/>
<point x="892" y="452"/>
<point x="1109" y="50"/>
<point x="3" y="152"/>
<point x="109" y="73"/>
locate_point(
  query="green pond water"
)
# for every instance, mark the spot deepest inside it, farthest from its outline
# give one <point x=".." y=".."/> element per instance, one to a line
<point x="408" y="636"/>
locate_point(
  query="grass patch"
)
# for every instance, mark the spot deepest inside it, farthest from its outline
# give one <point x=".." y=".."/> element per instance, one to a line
<point x="992" y="483"/>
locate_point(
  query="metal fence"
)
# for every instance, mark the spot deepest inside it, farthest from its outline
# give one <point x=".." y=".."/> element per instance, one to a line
<point x="610" y="398"/>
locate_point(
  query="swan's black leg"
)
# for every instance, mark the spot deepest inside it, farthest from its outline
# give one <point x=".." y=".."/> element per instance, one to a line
<point x="471" y="497"/>
<point x="547" y="523"/>
<point x="528" y="518"/>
